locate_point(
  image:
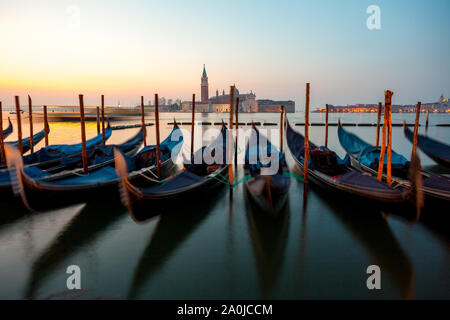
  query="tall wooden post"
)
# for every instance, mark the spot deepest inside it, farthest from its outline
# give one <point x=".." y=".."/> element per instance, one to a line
<point x="281" y="128"/>
<point x="144" y="130"/>
<point x="30" y="111"/>
<point x="416" y="130"/>
<point x="103" y="120"/>
<point x="383" y="145"/>
<point x="380" y="106"/>
<point x="306" y="155"/>
<point x="2" y="150"/>
<point x="83" y="135"/>
<point x="98" y="120"/>
<point x="45" y="125"/>
<point x="230" y="137"/>
<point x="236" y="112"/>
<point x="389" y="146"/>
<point x="193" y="124"/>
<point x="19" y="125"/>
<point x="158" y="150"/>
<point x="326" y="127"/>
<point x="426" y="123"/>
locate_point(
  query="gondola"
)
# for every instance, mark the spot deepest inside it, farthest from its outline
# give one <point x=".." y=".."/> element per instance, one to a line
<point x="39" y="188"/>
<point x="26" y="143"/>
<point x="145" y="200"/>
<point x="327" y="170"/>
<point x="8" y="130"/>
<point x="365" y="157"/>
<point x="52" y="155"/>
<point x="438" y="151"/>
<point x="267" y="190"/>
<point x="50" y="159"/>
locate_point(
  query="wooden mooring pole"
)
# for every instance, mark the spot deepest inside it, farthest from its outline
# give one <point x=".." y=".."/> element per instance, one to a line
<point x="193" y="125"/>
<point x="19" y="125"/>
<point x="306" y="153"/>
<point x="2" y="155"/>
<point x="230" y="137"/>
<point x="383" y="145"/>
<point x="46" y="126"/>
<point x="103" y="120"/>
<point x="416" y="130"/>
<point x="30" y="111"/>
<point x="158" y="150"/>
<point x="236" y="111"/>
<point x="98" y="120"/>
<point x="388" y="95"/>
<point x="427" y="121"/>
<point x="83" y="135"/>
<point x="380" y="106"/>
<point x="281" y="128"/>
<point x="326" y="127"/>
<point x="143" y="121"/>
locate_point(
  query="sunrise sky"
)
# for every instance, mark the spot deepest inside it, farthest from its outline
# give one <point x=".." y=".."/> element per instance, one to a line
<point x="125" y="49"/>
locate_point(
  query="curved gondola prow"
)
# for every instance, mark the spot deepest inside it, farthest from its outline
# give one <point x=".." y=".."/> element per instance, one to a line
<point x="122" y="173"/>
<point x="15" y="166"/>
<point x="8" y="130"/>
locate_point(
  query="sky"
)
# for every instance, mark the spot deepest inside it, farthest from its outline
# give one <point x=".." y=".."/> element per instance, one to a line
<point x="57" y="49"/>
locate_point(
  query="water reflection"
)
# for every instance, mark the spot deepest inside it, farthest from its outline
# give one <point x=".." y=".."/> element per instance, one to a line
<point x="369" y="226"/>
<point x="172" y="230"/>
<point x="269" y="238"/>
<point x="83" y="229"/>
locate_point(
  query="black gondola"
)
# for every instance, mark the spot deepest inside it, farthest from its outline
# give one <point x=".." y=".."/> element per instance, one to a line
<point x="438" y="151"/>
<point x="365" y="158"/>
<point x="196" y="180"/>
<point x="328" y="171"/>
<point x="73" y="186"/>
<point x="268" y="184"/>
<point x="26" y="143"/>
<point x="8" y="130"/>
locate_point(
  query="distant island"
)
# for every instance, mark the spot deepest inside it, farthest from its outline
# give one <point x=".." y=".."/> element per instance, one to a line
<point x="442" y="106"/>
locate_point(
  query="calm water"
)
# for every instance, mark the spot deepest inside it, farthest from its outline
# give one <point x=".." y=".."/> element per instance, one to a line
<point x="222" y="249"/>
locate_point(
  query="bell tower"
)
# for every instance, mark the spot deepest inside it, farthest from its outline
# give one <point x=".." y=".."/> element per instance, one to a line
<point x="204" y="86"/>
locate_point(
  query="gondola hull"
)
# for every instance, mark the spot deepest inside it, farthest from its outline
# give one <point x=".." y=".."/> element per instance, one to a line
<point x="345" y="181"/>
<point x="434" y="194"/>
<point x="145" y="206"/>
<point x="436" y="150"/>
